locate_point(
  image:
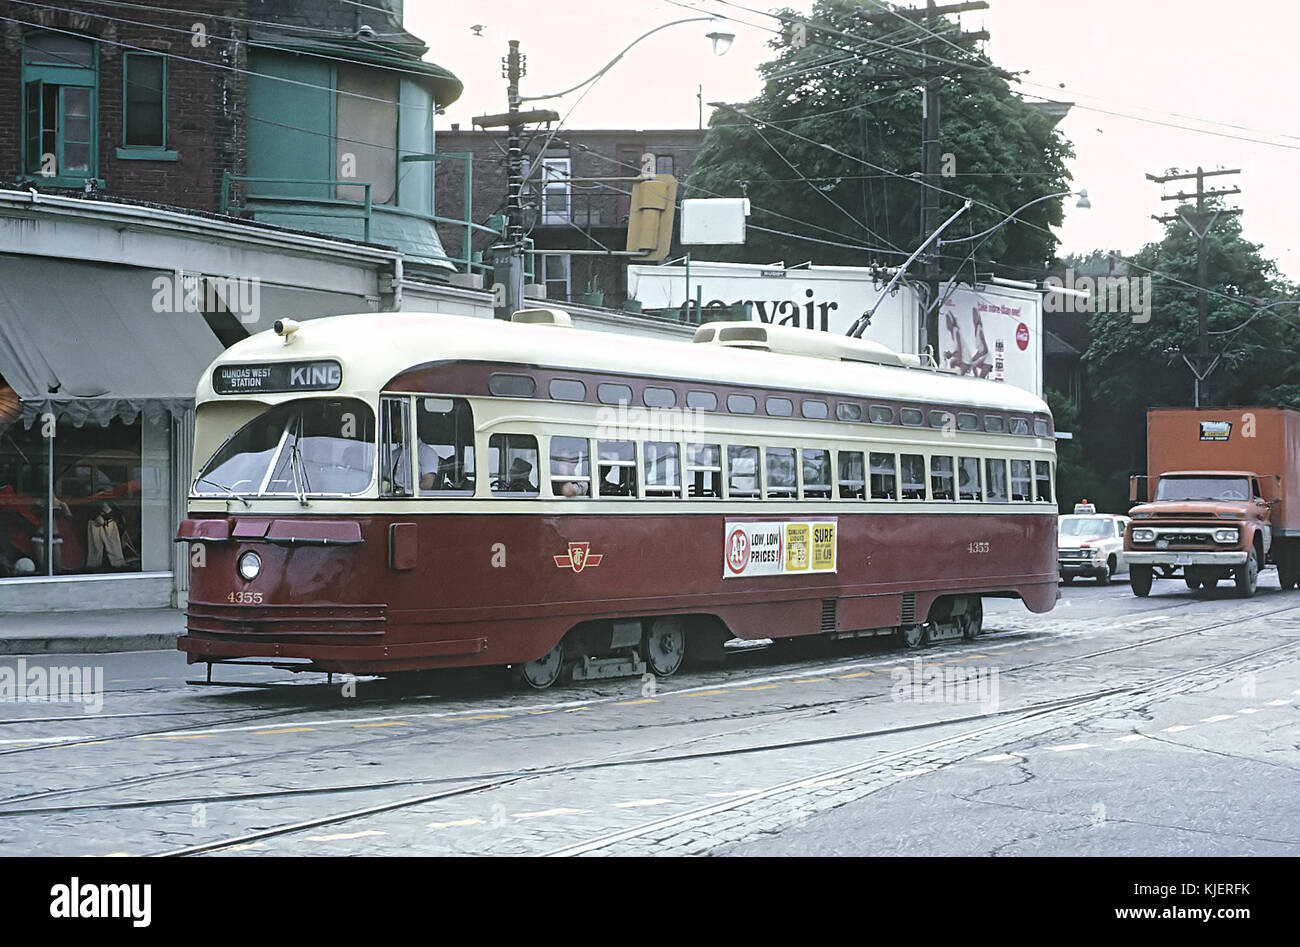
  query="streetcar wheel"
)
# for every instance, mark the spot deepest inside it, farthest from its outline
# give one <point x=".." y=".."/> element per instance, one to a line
<point x="664" y="646"/>
<point x="1247" y="576"/>
<point x="1139" y="579"/>
<point x="973" y="621"/>
<point x="914" y="636"/>
<point x="543" y="672"/>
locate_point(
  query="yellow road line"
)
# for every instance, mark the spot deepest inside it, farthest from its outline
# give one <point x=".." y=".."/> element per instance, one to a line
<point x="343" y="836"/>
<point x="391" y="723"/>
<point x="188" y="736"/>
<point x="812" y="680"/>
<point x="480" y="717"/>
<point x="633" y="703"/>
<point x="845" y="677"/>
<point x="702" y="694"/>
<point x="262" y="733"/>
<point x="762" y="687"/>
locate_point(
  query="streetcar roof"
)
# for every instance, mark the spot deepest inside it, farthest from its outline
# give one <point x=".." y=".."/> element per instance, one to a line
<point x="374" y="348"/>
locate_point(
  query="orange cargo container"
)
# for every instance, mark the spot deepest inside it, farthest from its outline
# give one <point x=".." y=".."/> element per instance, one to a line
<point x="1262" y="441"/>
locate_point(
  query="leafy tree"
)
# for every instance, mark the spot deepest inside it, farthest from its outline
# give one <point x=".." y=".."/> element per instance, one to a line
<point x="1129" y="370"/>
<point x="837" y="102"/>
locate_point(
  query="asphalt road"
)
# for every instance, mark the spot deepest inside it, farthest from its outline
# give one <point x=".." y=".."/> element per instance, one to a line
<point x="1112" y="725"/>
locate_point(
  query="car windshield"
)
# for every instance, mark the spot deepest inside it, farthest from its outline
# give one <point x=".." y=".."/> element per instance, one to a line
<point x="1203" y="488"/>
<point x="313" y="446"/>
<point x="1084" y="527"/>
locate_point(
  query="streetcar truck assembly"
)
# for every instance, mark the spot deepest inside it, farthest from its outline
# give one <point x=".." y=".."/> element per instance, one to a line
<point x="1225" y="500"/>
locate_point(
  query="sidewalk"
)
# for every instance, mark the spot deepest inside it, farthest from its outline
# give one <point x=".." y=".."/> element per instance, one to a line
<point x="90" y="632"/>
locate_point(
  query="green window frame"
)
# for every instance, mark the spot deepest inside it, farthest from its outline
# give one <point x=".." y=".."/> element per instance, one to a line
<point x="60" y="109"/>
<point x="140" y="72"/>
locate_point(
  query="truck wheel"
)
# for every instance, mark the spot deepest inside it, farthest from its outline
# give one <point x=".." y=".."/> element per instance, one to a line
<point x="1288" y="567"/>
<point x="1193" y="583"/>
<point x="1247" y="576"/>
<point x="1139" y="578"/>
<point x="1067" y="580"/>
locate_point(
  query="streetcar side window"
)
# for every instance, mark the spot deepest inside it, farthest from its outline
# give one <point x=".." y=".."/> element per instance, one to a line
<point x="881" y="414"/>
<point x="968" y="478"/>
<point x="884" y="482"/>
<point x="967" y="422"/>
<point x="780" y="407"/>
<point x="704" y="470"/>
<point x="512" y="459"/>
<point x="617" y="460"/>
<point x="815" y="410"/>
<point x="570" y="467"/>
<point x="1020" y="480"/>
<point x="512" y="386"/>
<point x="568" y="389"/>
<point x="742" y="472"/>
<point x="444" y="430"/>
<point x="742" y="404"/>
<point x="941" y="479"/>
<point x="702" y="400"/>
<point x="848" y="411"/>
<point x="911" y="468"/>
<point x="997" y="480"/>
<point x="663" y="476"/>
<point x="394" y="447"/>
<point x="994" y="424"/>
<point x="1019" y="426"/>
<point x="614" y="394"/>
<point x="1043" y="481"/>
<point x="852" y="478"/>
<point x="816" y="474"/>
<point x="911" y="416"/>
<point x="781" y="483"/>
<point x="942" y="419"/>
<point x="1040" y="427"/>
<point x="659" y="398"/>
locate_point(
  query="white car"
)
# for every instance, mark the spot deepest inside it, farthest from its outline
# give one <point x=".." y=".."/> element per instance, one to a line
<point x="1090" y="544"/>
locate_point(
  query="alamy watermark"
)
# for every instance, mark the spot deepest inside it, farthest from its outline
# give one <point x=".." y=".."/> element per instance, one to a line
<point x="948" y="685"/>
<point x="1130" y="295"/>
<point x="193" y="292"/>
<point x="626" y="423"/>
<point x="56" y="684"/>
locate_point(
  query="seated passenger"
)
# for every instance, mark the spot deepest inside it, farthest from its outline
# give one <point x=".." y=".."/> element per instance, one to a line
<point x="562" y="465"/>
<point x="520" y="479"/>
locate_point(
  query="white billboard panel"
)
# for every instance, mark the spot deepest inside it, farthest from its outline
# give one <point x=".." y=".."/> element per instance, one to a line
<point x="994" y="332"/>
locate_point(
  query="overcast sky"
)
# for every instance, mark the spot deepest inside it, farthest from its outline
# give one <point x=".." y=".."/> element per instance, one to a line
<point x="1135" y="57"/>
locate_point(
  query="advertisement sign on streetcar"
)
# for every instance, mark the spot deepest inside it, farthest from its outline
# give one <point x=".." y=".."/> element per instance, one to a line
<point x="778" y="548"/>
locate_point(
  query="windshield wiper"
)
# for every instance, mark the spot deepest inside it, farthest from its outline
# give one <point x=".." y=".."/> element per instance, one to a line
<point x="229" y="493"/>
<point x="298" y="466"/>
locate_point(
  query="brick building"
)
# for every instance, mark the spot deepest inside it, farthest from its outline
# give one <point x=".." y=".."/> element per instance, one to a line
<point x="560" y="213"/>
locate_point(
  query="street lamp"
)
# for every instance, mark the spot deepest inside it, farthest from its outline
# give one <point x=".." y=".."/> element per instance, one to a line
<point x="508" y="262"/>
<point x="1083" y="204"/>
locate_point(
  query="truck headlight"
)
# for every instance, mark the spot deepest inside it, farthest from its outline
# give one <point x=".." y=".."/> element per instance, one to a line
<point x="1226" y="535"/>
<point x="1144" y="535"/>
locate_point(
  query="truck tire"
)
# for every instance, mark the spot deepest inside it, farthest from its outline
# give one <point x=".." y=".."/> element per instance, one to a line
<point x="1288" y="564"/>
<point x="1139" y="578"/>
<point x="1247" y="575"/>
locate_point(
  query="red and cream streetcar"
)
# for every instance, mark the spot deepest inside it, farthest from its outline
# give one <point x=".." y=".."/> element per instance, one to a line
<point x="380" y="493"/>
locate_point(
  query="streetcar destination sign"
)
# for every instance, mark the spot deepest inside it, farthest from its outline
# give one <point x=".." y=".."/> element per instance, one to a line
<point x="318" y="375"/>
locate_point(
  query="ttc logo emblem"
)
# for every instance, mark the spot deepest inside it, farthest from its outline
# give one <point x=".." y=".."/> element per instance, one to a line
<point x="579" y="558"/>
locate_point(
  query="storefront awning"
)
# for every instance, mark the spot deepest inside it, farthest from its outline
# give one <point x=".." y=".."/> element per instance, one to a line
<point x="88" y="341"/>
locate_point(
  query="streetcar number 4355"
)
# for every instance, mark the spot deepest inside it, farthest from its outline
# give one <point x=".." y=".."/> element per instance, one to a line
<point x="977" y="548"/>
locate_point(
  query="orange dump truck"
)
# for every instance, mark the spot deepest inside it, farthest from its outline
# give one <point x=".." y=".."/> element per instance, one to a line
<point x="1224" y="498"/>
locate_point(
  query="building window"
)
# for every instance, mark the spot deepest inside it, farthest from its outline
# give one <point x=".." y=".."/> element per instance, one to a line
<point x="663" y="164"/>
<point x="59" y="106"/>
<point x="555" y="275"/>
<point x="555" y="191"/>
<point x="144" y="98"/>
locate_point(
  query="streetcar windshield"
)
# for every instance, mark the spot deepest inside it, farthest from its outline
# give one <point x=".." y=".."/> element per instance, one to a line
<point x="313" y="446"/>
<point x="1085" y="527"/>
<point x="1203" y="488"/>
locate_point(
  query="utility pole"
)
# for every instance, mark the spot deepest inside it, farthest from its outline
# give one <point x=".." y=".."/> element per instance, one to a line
<point x="508" y="255"/>
<point x="1200" y="223"/>
<point x="930" y="154"/>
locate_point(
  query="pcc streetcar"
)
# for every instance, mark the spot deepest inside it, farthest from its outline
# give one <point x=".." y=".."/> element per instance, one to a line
<point x="390" y="492"/>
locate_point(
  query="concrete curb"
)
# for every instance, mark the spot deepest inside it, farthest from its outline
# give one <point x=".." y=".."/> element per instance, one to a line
<point x="97" y="644"/>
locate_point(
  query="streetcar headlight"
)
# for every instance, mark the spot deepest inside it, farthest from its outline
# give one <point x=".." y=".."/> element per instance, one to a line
<point x="1226" y="535"/>
<point x="1144" y="535"/>
<point x="250" y="565"/>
